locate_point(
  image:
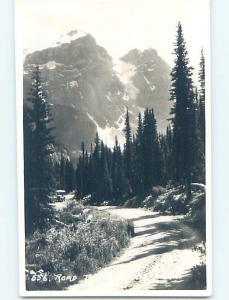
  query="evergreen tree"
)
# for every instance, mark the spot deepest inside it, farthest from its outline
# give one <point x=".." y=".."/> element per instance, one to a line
<point x="134" y="167"/>
<point x="183" y="114"/>
<point x="157" y="156"/>
<point x="81" y="173"/>
<point x="128" y="152"/>
<point x="96" y="170"/>
<point x="87" y="174"/>
<point x="30" y="211"/>
<point x="69" y="176"/>
<point x="90" y="179"/>
<point x="198" y="160"/>
<point x="39" y="157"/>
<point x="147" y="152"/>
<point x="201" y="120"/>
<point x="117" y="174"/>
<point x="202" y="98"/>
<point x="166" y="150"/>
<point x="62" y="172"/>
<point x="105" y="180"/>
<point x="138" y="161"/>
<point x="151" y="154"/>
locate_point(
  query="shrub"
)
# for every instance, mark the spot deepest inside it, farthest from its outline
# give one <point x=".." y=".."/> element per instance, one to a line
<point x="134" y="202"/>
<point x="198" y="272"/>
<point x="197" y="213"/>
<point x="170" y="201"/>
<point x="78" y="247"/>
<point x="173" y="202"/>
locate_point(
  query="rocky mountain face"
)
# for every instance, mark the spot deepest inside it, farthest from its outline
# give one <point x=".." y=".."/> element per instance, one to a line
<point x="90" y="91"/>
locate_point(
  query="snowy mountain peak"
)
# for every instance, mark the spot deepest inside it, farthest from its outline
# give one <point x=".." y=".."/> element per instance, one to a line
<point x="70" y="36"/>
<point x="90" y="90"/>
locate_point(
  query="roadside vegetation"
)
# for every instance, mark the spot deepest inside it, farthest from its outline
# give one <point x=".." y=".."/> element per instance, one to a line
<point x="172" y="201"/>
<point x="82" y="241"/>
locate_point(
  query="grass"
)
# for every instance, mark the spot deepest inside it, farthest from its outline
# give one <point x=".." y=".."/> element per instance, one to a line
<point x="82" y="241"/>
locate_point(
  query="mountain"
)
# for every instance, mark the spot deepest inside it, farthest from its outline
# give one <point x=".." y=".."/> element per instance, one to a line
<point x="90" y="91"/>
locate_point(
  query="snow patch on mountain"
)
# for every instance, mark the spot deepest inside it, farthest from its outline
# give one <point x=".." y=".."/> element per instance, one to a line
<point x="73" y="84"/>
<point x="151" y="69"/>
<point x="108" y="134"/>
<point x="125" y="72"/>
<point x="63" y="39"/>
<point x="51" y="65"/>
<point x="81" y="95"/>
<point x="71" y="36"/>
<point x="152" y="87"/>
<point x="108" y="96"/>
<point x="121" y="122"/>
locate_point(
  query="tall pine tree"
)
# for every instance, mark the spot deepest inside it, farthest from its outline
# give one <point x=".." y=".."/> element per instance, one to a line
<point x="150" y="152"/>
<point x="69" y="176"/>
<point x="183" y="114"/>
<point x="128" y="152"/>
<point x="138" y="163"/>
<point x="39" y="139"/>
<point x="202" y="116"/>
<point x="202" y="97"/>
<point x="117" y="174"/>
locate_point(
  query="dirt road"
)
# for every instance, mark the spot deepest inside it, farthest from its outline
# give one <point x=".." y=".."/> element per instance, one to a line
<point x="159" y="256"/>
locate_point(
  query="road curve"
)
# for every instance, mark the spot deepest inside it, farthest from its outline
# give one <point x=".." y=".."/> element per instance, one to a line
<point x="159" y="256"/>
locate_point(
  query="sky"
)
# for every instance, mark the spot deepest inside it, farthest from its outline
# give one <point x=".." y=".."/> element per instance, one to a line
<point x="117" y="25"/>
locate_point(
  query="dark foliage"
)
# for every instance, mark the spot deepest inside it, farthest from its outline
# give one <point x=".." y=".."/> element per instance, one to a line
<point x="38" y="149"/>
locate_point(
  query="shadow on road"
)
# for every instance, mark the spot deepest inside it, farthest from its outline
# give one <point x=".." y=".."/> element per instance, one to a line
<point x="164" y="235"/>
<point x="174" y="235"/>
<point x="150" y="216"/>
